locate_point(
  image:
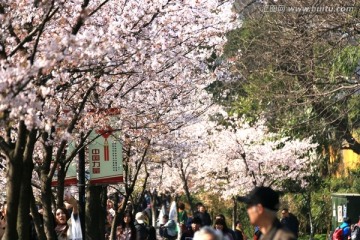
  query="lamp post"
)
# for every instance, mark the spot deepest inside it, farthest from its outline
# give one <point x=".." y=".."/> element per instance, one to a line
<point x="81" y="186"/>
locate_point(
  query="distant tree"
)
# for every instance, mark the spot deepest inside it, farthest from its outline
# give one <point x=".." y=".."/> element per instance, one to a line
<point x="298" y="68"/>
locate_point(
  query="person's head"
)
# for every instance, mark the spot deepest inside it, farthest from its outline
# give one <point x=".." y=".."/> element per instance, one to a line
<point x="119" y="230"/>
<point x="198" y="205"/>
<point x="207" y="233"/>
<point x="259" y="215"/>
<point x="220" y="225"/>
<point x="285" y="212"/>
<point x="262" y="205"/>
<point x="347" y="220"/>
<point x="195" y="224"/>
<point x="140" y="218"/>
<point x="166" y="218"/>
<point x="109" y="204"/>
<point x="238" y="224"/>
<point x="352" y="227"/>
<point x="61" y="216"/>
<point x="127" y="217"/>
<point x="202" y="209"/>
<point x="181" y="206"/>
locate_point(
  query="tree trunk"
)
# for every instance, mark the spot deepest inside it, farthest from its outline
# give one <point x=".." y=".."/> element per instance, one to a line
<point x="61" y="174"/>
<point x="234" y="213"/>
<point x="48" y="216"/>
<point x="36" y="219"/>
<point x="15" y="160"/>
<point x="23" y="221"/>
<point x="310" y="216"/>
<point x="95" y="214"/>
<point x="153" y="208"/>
<point x="103" y="202"/>
<point x="139" y="201"/>
<point x="13" y="197"/>
<point x="188" y="195"/>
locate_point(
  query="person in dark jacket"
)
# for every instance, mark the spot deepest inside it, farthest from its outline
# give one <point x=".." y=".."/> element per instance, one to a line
<point x="140" y="226"/>
<point x="204" y="216"/>
<point x="195" y="226"/>
<point x="262" y="206"/>
<point x="290" y="222"/>
<point x="239" y="235"/>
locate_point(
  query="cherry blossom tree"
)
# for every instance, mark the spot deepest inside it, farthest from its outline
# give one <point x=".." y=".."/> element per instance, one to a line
<point x="206" y="156"/>
<point x="60" y="60"/>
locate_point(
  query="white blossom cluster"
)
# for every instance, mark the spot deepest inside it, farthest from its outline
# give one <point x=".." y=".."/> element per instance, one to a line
<point x="231" y="162"/>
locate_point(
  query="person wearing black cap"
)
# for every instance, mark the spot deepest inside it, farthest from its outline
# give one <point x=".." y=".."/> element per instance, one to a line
<point x="195" y="226"/>
<point x="262" y="206"/>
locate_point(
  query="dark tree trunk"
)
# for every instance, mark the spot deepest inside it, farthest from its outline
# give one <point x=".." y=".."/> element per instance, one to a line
<point x="37" y="219"/>
<point x="13" y="197"/>
<point x="15" y="160"/>
<point x="234" y="213"/>
<point x="103" y="202"/>
<point x="95" y="214"/>
<point x="61" y="174"/>
<point x="186" y="189"/>
<point x="23" y="223"/>
<point x="49" y="218"/>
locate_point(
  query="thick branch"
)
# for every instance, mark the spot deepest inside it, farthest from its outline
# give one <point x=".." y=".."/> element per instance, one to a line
<point x="48" y="153"/>
<point x="21" y="140"/>
<point x="30" y="145"/>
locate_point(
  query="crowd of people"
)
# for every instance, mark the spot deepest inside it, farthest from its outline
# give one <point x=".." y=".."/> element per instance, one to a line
<point x="347" y="230"/>
<point x="262" y="207"/>
<point x="178" y="224"/>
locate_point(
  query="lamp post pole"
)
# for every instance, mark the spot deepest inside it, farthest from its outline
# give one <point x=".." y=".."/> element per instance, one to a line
<point x="81" y="186"/>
